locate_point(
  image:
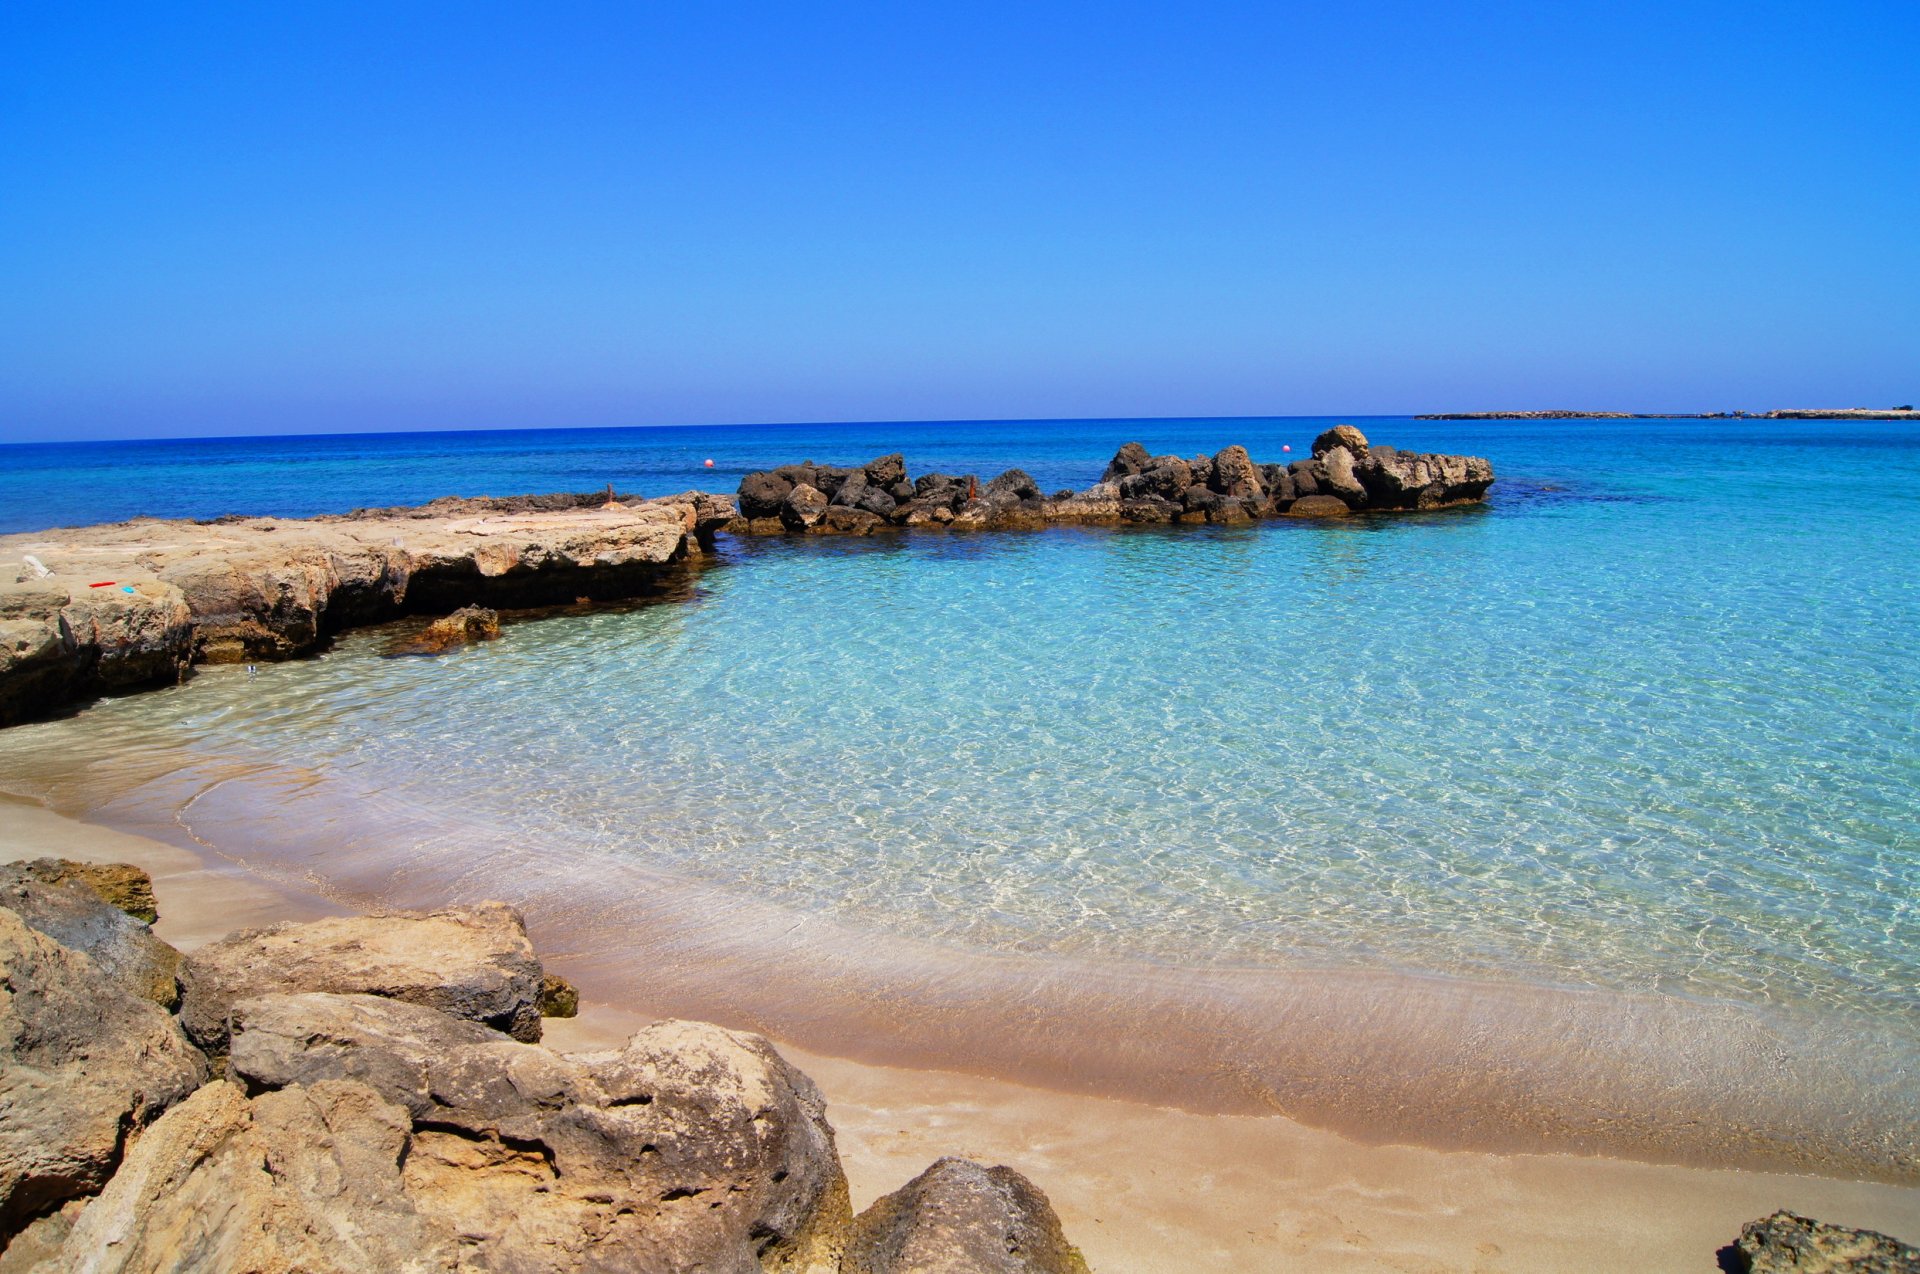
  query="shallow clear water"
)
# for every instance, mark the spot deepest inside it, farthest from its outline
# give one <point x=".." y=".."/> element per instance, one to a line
<point x="1648" y="722"/>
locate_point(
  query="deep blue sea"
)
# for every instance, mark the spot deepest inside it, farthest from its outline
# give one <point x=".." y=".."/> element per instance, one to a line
<point x="1649" y="721"/>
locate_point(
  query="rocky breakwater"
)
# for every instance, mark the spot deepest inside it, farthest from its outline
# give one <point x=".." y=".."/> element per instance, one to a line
<point x="371" y="1093"/>
<point x="98" y="609"/>
<point x="1345" y="475"/>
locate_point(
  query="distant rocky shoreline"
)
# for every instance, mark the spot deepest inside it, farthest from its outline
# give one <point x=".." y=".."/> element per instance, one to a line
<point x="86" y="611"/>
<point x="1797" y="413"/>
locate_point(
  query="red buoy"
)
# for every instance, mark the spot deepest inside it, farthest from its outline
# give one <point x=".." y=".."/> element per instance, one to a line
<point x="1284" y="447"/>
<point x="709" y="464"/>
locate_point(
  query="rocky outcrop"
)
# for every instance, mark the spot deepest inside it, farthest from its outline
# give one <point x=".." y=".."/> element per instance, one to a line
<point x="1345" y="475"/>
<point x="123" y="949"/>
<point x="83" y="1066"/>
<point x="93" y="610"/>
<point x="690" y="1148"/>
<point x="121" y="884"/>
<point x="462" y="628"/>
<point x="959" y="1217"/>
<point x="473" y="963"/>
<point x="1788" y="1244"/>
<point x="382" y="1122"/>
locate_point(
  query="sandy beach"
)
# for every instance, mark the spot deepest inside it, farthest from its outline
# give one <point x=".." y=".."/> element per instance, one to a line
<point x="1143" y="1187"/>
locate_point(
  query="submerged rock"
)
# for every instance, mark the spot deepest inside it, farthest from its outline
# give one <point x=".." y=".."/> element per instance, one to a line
<point x="558" y="998"/>
<point x="469" y="962"/>
<point x="464" y="627"/>
<point x="1788" y="1244"/>
<point x="82" y="1065"/>
<point x="1319" y="506"/>
<point x="959" y="1217"/>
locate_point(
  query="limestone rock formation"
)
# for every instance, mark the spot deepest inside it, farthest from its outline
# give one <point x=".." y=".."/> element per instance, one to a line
<point x="82" y="1065"/>
<point x="690" y="1148"/>
<point x="134" y="603"/>
<point x="123" y="949"/>
<point x="469" y="962"/>
<point x="959" y="1217"/>
<point x="1788" y="1244"/>
<point x="1342" y="437"/>
<point x="464" y="627"/>
<point x="122" y="884"/>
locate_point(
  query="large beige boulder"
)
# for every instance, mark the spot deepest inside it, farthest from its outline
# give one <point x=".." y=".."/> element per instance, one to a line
<point x="121" y="948"/>
<point x="959" y="1217"/>
<point x="390" y="1136"/>
<point x="83" y="1064"/>
<point x="308" y="1180"/>
<point x="469" y="962"/>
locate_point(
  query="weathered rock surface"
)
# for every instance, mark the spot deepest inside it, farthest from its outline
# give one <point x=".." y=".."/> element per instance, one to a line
<point x="134" y="603"/>
<point x="122" y="884"/>
<point x="959" y="1217"/>
<point x="394" y="1136"/>
<point x="1788" y="1244"/>
<point x="472" y="962"/>
<point x="465" y="626"/>
<point x="82" y="1065"/>
<point x="1346" y="475"/>
<point x="123" y="949"/>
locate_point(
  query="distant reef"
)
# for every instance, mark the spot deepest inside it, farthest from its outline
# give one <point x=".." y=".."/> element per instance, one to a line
<point x="1345" y="475"/>
<point x="1793" y="413"/>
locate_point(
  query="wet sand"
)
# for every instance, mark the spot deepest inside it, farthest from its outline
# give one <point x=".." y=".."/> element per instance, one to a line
<point x="1143" y="1187"/>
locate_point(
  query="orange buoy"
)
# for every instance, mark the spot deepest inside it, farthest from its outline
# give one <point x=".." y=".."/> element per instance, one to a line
<point x="709" y="464"/>
<point x="1284" y="447"/>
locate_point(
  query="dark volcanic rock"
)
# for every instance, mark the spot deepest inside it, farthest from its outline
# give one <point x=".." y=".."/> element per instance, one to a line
<point x="1228" y="486"/>
<point x="763" y="494"/>
<point x="959" y="1217"/>
<point x="1233" y="473"/>
<point x="121" y="947"/>
<point x="1015" y="483"/>
<point x="1130" y="459"/>
<point x="1306" y="475"/>
<point x="1788" y="1244"/>
<point x="887" y="471"/>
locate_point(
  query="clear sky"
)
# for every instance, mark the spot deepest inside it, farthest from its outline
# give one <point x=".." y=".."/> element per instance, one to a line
<point x="254" y="218"/>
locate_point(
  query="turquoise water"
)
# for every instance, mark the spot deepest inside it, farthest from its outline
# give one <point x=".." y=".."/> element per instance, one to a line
<point x="1648" y="722"/>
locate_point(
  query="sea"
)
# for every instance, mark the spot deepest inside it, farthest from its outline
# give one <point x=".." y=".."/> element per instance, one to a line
<point x="1645" y="725"/>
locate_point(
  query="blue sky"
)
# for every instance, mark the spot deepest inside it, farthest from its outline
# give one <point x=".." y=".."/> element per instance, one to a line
<point x="247" y="218"/>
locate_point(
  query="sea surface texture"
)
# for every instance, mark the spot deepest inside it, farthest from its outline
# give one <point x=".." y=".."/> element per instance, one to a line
<point x="1648" y="722"/>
